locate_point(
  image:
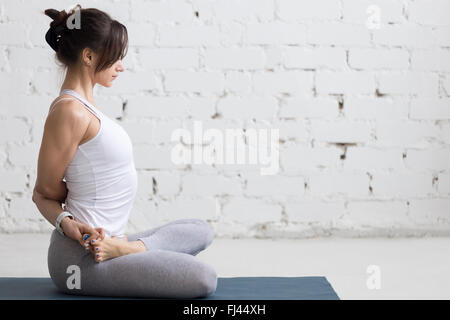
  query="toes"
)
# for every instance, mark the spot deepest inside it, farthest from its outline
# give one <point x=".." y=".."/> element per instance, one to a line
<point x="98" y="254"/>
<point x="96" y="244"/>
<point x="95" y="250"/>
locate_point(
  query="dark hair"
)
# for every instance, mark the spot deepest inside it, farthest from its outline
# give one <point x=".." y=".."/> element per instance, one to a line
<point x="105" y="36"/>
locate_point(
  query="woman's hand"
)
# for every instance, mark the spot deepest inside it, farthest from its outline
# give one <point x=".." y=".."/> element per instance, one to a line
<point x="75" y="230"/>
<point x="87" y="242"/>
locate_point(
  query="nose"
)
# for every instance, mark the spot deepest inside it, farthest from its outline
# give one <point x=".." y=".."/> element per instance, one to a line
<point x="120" y="66"/>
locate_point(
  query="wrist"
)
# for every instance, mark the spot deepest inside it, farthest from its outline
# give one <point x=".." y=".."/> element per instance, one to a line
<point x="64" y="222"/>
<point x="62" y="216"/>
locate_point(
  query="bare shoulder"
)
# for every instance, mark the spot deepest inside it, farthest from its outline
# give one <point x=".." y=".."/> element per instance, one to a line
<point x="68" y="114"/>
<point x="67" y="105"/>
<point x="63" y="100"/>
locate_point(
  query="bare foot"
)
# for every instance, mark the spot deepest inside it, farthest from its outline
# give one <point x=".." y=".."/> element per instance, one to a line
<point x="109" y="248"/>
<point x="124" y="237"/>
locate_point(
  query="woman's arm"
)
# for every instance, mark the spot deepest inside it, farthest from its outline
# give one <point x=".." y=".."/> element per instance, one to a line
<point x="59" y="192"/>
<point x="63" y="130"/>
<point x="49" y="208"/>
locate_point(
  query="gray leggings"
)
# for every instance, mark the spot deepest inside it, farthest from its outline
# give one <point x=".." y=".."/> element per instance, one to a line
<point x="168" y="269"/>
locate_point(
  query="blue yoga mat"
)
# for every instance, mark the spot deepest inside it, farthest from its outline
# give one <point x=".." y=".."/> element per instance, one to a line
<point x="238" y="288"/>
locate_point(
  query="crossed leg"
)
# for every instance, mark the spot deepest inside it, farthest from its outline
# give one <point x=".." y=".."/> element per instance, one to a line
<point x="168" y="269"/>
<point x="184" y="235"/>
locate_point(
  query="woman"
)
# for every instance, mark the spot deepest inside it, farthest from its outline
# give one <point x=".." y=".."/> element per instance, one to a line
<point x="94" y="154"/>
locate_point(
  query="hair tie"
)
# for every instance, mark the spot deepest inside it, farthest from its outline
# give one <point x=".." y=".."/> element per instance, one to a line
<point x="53" y="36"/>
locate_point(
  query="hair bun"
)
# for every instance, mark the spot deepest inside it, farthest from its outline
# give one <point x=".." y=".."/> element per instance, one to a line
<point x="58" y="25"/>
<point x="57" y="16"/>
<point x="60" y="17"/>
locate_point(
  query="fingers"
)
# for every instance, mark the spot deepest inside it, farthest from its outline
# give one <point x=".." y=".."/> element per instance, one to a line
<point x="85" y="241"/>
<point x="90" y="237"/>
<point x="102" y="232"/>
<point x="80" y="240"/>
<point x="88" y="240"/>
<point x="91" y="232"/>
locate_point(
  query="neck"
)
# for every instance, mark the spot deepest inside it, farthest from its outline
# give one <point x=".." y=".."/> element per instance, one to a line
<point x="80" y="82"/>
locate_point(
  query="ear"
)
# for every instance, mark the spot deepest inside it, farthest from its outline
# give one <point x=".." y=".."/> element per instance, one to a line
<point x="88" y="56"/>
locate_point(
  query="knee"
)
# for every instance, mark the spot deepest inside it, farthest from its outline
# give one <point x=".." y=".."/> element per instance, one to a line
<point x="208" y="281"/>
<point x="208" y="232"/>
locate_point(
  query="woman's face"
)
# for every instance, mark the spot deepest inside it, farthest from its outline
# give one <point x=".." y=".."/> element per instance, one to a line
<point x="107" y="76"/>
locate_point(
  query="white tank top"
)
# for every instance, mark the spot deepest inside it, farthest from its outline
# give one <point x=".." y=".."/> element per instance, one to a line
<point x="101" y="178"/>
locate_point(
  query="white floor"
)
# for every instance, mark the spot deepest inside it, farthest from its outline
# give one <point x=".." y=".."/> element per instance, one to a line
<point x="409" y="268"/>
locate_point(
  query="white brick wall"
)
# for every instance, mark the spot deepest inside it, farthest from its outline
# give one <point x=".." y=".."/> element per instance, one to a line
<point x="363" y="112"/>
